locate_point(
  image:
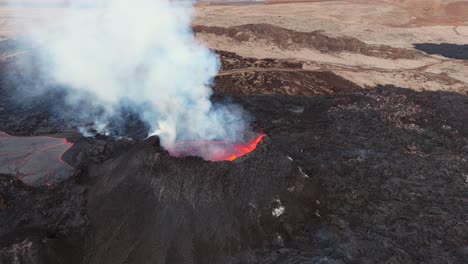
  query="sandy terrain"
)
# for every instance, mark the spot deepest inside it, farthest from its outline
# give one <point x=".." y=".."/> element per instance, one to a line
<point x="395" y="23"/>
<point x="399" y="24"/>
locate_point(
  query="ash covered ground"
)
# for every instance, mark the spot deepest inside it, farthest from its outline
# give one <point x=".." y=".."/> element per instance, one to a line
<point x="345" y="175"/>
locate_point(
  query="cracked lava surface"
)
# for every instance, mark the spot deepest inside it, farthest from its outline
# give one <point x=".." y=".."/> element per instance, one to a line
<point x="36" y="160"/>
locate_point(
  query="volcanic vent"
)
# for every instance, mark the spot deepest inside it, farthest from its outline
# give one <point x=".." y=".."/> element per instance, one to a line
<point x="217" y="150"/>
<point x="188" y="210"/>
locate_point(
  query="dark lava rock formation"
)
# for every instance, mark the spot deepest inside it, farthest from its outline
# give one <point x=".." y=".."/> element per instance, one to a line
<point x="317" y="40"/>
<point x="352" y="176"/>
<point x="394" y="166"/>
<point x="448" y="50"/>
<point x="149" y="207"/>
<point x="232" y="61"/>
<point x="41" y="225"/>
<point x="144" y="205"/>
<point x="248" y="76"/>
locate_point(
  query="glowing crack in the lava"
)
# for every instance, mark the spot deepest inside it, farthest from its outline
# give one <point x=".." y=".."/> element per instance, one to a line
<point x="35" y="160"/>
<point x="215" y="150"/>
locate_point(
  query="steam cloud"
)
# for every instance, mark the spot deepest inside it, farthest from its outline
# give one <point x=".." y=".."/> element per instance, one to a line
<point x="142" y="52"/>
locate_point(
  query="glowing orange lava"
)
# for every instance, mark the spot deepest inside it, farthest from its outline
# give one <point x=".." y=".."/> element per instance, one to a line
<point x="215" y="150"/>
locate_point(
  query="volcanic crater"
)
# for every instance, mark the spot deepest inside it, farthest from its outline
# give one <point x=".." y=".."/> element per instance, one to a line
<point x="309" y="191"/>
<point x="341" y="172"/>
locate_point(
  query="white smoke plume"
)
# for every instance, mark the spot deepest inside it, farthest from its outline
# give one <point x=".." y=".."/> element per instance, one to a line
<point x="143" y="52"/>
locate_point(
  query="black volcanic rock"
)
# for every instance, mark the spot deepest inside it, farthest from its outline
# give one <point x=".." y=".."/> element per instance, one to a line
<point x="253" y="76"/>
<point x="392" y="162"/>
<point x="41" y="225"/>
<point x="154" y="208"/>
<point x="285" y="38"/>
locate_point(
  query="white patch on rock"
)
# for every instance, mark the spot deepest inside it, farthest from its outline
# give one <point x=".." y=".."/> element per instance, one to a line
<point x="303" y="173"/>
<point x="19" y="251"/>
<point x="317" y="213"/>
<point x="279" y="240"/>
<point x="278" y="211"/>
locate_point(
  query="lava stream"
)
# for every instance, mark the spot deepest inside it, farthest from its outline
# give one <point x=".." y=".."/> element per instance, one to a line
<point x="215" y="150"/>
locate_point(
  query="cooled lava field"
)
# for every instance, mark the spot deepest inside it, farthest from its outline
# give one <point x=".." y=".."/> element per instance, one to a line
<point x="345" y="174"/>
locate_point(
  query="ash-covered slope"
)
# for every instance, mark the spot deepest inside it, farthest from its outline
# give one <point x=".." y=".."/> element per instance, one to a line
<point x="149" y="207"/>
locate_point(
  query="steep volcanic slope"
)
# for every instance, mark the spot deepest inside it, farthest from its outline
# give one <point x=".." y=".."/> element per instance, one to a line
<point x="149" y="207"/>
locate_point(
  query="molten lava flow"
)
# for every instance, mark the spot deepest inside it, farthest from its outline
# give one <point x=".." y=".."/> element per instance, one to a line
<point x="34" y="160"/>
<point x="243" y="149"/>
<point x="215" y="150"/>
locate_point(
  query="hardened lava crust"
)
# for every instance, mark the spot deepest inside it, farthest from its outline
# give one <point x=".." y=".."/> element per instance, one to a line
<point x="374" y="175"/>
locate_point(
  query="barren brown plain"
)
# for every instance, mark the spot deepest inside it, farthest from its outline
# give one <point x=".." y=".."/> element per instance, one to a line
<point x="379" y="24"/>
<point x="350" y="38"/>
